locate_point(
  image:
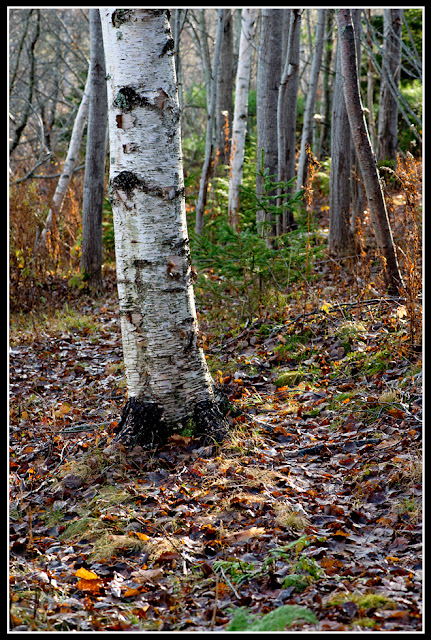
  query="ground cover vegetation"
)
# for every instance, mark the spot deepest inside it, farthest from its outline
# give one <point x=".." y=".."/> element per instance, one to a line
<point x="308" y="516"/>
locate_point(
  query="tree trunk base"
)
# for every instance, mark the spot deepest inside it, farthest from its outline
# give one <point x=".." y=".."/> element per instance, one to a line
<point x="210" y="423"/>
<point x="142" y="423"/>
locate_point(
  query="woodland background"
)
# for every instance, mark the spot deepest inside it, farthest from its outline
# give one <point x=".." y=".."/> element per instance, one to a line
<point x="309" y="516"/>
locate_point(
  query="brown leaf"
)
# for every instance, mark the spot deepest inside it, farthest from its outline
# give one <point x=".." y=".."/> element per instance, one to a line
<point x="247" y="534"/>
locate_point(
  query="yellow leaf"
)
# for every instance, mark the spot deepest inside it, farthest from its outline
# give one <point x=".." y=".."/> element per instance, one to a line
<point x="65" y="408"/>
<point x="326" y="306"/>
<point x="87" y="575"/>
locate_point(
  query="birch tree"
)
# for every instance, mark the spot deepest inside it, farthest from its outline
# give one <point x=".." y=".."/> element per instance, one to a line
<point x="239" y="127"/>
<point x="364" y="152"/>
<point x="94" y="178"/>
<point x="311" y="98"/>
<point x="68" y="167"/>
<point x="168" y="381"/>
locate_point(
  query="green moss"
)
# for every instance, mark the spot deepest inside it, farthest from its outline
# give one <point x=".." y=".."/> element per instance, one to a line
<point x="276" y="620"/>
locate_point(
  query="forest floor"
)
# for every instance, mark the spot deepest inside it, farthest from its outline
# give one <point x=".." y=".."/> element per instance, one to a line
<point x="308" y="517"/>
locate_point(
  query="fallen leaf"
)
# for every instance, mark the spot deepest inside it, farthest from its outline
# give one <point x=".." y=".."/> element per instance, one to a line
<point x="253" y="532"/>
<point x="87" y="575"/>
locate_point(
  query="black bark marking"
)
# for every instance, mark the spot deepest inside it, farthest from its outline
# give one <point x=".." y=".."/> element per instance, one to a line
<point x="169" y="46"/>
<point x="120" y="16"/>
<point x="125" y="181"/>
<point x="141" y="424"/>
<point x="210" y="422"/>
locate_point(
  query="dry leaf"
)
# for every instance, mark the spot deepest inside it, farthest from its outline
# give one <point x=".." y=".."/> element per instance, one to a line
<point x="87" y="575"/>
<point x="253" y="532"/>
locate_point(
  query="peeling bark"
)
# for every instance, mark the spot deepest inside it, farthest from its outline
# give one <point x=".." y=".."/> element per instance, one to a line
<point x="167" y="376"/>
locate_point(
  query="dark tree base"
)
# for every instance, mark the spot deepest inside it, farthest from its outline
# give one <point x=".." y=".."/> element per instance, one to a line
<point x="142" y="424"/>
<point x="211" y="425"/>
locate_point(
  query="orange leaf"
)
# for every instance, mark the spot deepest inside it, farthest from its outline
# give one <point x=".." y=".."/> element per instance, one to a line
<point x="141" y="536"/>
<point x="90" y="585"/>
<point x="131" y="592"/>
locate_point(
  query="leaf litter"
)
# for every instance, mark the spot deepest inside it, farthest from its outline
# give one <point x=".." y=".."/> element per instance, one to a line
<point x="307" y="517"/>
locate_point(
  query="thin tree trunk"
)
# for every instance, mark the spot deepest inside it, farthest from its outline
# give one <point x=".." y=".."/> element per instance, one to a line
<point x="268" y="80"/>
<point x="370" y="91"/>
<point x="239" y="127"/>
<point x="388" y="104"/>
<point x="224" y="93"/>
<point x="203" y="186"/>
<point x="168" y="381"/>
<point x="94" y="178"/>
<point x="311" y="99"/>
<point x="340" y="238"/>
<point x="31" y="86"/>
<point x="68" y="167"/>
<point x="286" y="116"/>
<point x="364" y="152"/>
<point x="326" y="88"/>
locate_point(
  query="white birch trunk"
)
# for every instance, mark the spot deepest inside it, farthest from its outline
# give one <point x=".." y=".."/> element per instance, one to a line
<point x="239" y="127"/>
<point x="68" y="167"/>
<point x="167" y="375"/>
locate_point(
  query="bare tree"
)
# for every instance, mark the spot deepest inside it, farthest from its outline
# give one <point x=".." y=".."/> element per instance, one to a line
<point x="31" y="85"/>
<point x="388" y="104"/>
<point x="94" y="178"/>
<point x="68" y="167"/>
<point x="340" y="237"/>
<point x="224" y="93"/>
<point x="248" y="19"/>
<point x="358" y="128"/>
<point x="287" y="100"/>
<point x="311" y="98"/>
<point x="203" y="185"/>
<point x="268" y="80"/>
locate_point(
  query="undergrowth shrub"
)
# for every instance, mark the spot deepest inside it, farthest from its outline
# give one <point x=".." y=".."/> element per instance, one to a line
<point x="238" y="265"/>
<point x="30" y="274"/>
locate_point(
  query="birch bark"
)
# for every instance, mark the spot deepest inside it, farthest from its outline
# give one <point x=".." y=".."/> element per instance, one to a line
<point x="168" y="380"/>
<point x="68" y="167"/>
<point x="239" y="127"/>
<point x="365" y="154"/>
